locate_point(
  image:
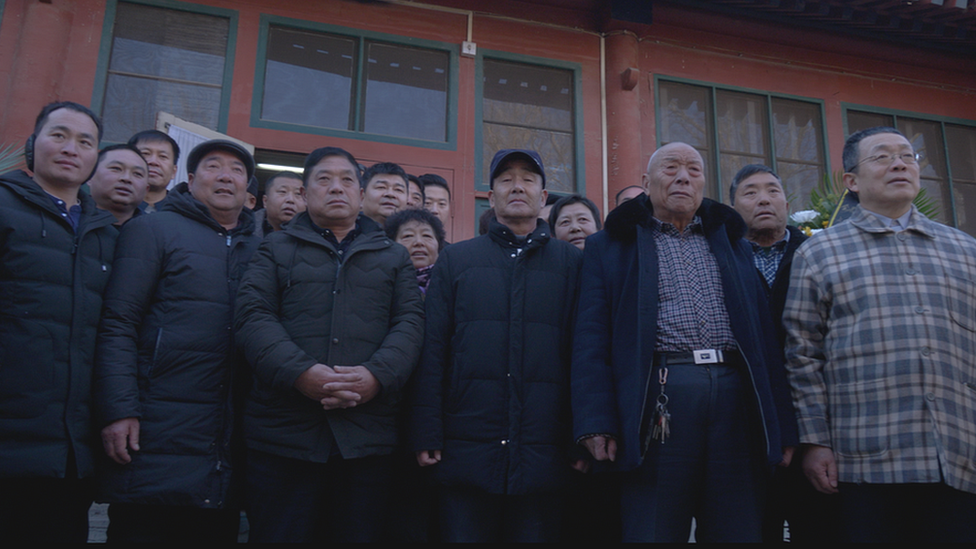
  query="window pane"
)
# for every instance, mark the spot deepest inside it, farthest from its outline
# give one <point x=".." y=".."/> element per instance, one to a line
<point x="530" y="107"/>
<point x="742" y="132"/>
<point x="965" y="195"/>
<point x="962" y="160"/>
<point x="131" y="104"/>
<point x="398" y="76"/>
<point x="962" y="152"/>
<point x="132" y="56"/>
<point x="168" y="43"/>
<point x="858" y="120"/>
<point x="555" y="148"/>
<point x="730" y="164"/>
<point x="528" y="95"/>
<point x="798" y="181"/>
<point x="685" y="115"/>
<point x="926" y="137"/>
<point x="797" y="134"/>
<point x="180" y="56"/>
<point x="308" y="79"/>
<point x="741" y="122"/>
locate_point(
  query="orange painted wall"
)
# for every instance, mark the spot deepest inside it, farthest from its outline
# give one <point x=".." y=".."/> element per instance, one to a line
<point x="833" y="68"/>
<point x="50" y="52"/>
<point x="488" y="33"/>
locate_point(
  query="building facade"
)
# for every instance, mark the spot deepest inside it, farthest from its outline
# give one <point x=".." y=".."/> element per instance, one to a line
<point x="596" y="86"/>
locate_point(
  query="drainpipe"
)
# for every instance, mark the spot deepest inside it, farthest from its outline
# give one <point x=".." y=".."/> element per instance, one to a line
<point x="603" y="120"/>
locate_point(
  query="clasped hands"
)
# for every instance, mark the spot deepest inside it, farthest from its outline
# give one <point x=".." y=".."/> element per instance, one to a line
<point x="339" y="386"/>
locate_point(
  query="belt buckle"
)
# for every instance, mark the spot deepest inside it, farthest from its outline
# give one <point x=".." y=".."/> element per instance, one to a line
<point x="708" y="356"/>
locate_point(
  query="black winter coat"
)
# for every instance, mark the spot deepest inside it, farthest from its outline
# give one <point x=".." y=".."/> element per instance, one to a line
<point x="781" y="284"/>
<point x="299" y="305"/>
<point x="51" y="283"/>
<point x="166" y="355"/>
<point x="492" y="387"/>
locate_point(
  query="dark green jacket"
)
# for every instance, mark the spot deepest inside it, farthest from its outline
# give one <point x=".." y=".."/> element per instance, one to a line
<point x="299" y="305"/>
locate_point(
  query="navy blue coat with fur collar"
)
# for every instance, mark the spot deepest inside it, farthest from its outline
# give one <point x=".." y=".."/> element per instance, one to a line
<point x="617" y="327"/>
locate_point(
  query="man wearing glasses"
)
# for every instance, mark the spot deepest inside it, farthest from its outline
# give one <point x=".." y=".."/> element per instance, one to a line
<point x="881" y="321"/>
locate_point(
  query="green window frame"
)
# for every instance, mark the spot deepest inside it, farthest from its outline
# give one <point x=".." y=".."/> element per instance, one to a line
<point x="557" y="171"/>
<point x="947" y="151"/>
<point x="732" y="127"/>
<point x="360" y="42"/>
<point x="220" y="82"/>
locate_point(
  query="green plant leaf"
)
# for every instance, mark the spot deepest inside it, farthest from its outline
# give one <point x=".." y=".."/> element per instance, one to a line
<point x="11" y="157"/>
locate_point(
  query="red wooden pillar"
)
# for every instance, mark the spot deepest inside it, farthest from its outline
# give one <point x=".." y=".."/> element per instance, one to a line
<point x="623" y="113"/>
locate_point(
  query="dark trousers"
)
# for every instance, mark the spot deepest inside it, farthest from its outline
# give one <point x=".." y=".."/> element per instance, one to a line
<point x="291" y="500"/>
<point x="906" y="513"/>
<point x="137" y="523"/>
<point x="473" y="516"/>
<point x="790" y="497"/>
<point x="592" y="512"/>
<point x="412" y="502"/>
<point x="45" y="510"/>
<point x="710" y="468"/>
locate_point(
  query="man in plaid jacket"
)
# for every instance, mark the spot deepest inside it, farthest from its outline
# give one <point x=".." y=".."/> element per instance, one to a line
<point x="881" y="321"/>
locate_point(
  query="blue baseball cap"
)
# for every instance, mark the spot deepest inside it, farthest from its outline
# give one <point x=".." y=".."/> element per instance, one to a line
<point x="503" y="156"/>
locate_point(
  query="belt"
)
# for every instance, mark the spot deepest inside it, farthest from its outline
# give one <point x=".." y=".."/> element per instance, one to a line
<point x="730" y="357"/>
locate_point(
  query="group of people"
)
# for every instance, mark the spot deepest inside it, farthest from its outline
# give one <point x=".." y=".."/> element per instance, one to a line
<point x="336" y="369"/>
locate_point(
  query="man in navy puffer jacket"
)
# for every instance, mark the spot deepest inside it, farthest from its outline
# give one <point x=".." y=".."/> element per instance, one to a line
<point x="491" y="414"/>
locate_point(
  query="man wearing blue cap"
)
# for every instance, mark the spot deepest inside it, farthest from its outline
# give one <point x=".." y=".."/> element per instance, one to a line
<point x="166" y="374"/>
<point x="491" y="413"/>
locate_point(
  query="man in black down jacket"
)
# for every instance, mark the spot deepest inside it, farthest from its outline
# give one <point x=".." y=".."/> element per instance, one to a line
<point x="491" y="414"/>
<point x="55" y="259"/>
<point x="330" y="318"/>
<point x="166" y="367"/>
<point x="757" y="194"/>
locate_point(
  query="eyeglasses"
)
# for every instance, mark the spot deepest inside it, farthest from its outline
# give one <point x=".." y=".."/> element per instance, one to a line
<point x="889" y="159"/>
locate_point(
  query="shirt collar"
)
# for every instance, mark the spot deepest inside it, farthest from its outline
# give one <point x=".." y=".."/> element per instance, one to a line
<point x="669" y="228"/>
<point x="876" y="223"/>
<point x="898" y="224"/>
<point x="778" y="245"/>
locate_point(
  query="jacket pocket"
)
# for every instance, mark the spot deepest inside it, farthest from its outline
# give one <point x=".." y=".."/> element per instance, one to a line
<point x="960" y="430"/>
<point x="960" y="298"/>
<point x="156" y="351"/>
<point x="860" y="418"/>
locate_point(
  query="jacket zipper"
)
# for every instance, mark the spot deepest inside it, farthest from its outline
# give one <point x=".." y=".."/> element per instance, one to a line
<point x="643" y="416"/>
<point x="755" y="393"/>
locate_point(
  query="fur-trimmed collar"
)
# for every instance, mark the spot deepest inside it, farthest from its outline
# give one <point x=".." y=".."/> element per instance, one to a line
<point x="623" y="221"/>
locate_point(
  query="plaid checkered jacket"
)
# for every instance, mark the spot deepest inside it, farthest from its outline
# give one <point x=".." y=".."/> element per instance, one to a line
<point x="881" y="350"/>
